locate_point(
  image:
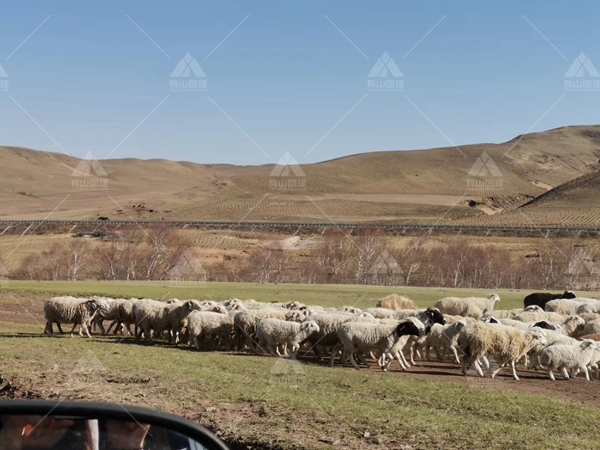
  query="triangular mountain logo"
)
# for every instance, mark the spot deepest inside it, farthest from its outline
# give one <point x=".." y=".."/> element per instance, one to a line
<point x="385" y="264"/>
<point x="288" y="371"/>
<point x="581" y="66"/>
<point x="188" y="66"/>
<point x="286" y="165"/>
<point x="187" y="266"/>
<point x="484" y="166"/>
<point x="88" y="363"/>
<point x="582" y="265"/>
<point x="384" y="67"/>
<point x="3" y="271"/>
<point x="89" y="166"/>
<point x="3" y="72"/>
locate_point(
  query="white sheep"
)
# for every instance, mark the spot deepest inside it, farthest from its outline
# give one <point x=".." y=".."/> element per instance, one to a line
<point x="73" y="310"/>
<point x="125" y="317"/>
<point x="511" y="313"/>
<point x="443" y="338"/>
<point x="467" y="306"/>
<point x="373" y="336"/>
<point x="245" y="322"/>
<point x="207" y="324"/>
<point x="592" y="327"/>
<point x="568" y="357"/>
<point x="153" y="316"/>
<point x="568" y="306"/>
<point x="398" y="314"/>
<point x="272" y="333"/>
<point x="506" y="345"/>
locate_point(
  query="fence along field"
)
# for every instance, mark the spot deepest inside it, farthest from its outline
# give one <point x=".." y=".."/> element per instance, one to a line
<point x="234" y="394"/>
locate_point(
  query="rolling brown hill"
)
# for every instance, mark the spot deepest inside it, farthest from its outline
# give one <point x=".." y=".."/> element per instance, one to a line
<point x="395" y="186"/>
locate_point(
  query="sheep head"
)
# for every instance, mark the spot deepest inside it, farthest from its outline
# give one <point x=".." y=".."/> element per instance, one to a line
<point x="435" y="316"/>
<point x="494" y="297"/>
<point x="568" y="294"/>
<point x="310" y="327"/>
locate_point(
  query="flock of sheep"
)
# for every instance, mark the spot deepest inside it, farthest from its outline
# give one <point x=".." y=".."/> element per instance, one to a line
<point x="552" y="332"/>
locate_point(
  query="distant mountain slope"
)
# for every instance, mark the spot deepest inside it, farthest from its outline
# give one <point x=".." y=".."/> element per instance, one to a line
<point x="397" y="186"/>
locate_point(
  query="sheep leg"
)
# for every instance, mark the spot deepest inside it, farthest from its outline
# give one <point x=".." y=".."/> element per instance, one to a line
<point x="495" y="372"/>
<point x="412" y="355"/>
<point x="196" y="344"/>
<point x="85" y="328"/>
<point x="551" y="374"/>
<point x="273" y="352"/>
<point x="486" y="362"/>
<point x="401" y="353"/>
<point x="362" y="359"/>
<point x="351" y="355"/>
<point x="114" y="323"/>
<point x="48" y="329"/>
<point x="456" y="358"/>
<point x="437" y="354"/>
<point x="587" y="373"/>
<point x="59" y="327"/>
<point x="514" y="370"/>
<point x="73" y="329"/>
<point x="102" y="330"/>
<point x="478" y="368"/>
<point x="336" y="349"/>
<point x="563" y="371"/>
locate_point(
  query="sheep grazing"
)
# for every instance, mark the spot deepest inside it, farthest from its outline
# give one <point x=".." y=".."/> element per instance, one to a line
<point x="385" y="313"/>
<point x="567" y="306"/>
<point x="468" y="306"/>
<point x="71" y="310"/>
<point x="247" y="320"/>
<point x="112" y="313"/>
<point x="373" y="336"/>
<point x="569" y="357"/>
<point x="272" y="333"/>
<point x="443" y="338"/>
<point x="178" y="315"/>
<point x="396" y="302"/>
<point x="589" y="308"/>
<point x="592" y="327"/>
<point x="152" y="316"/>
<point x="125" y="317"/>
<point x="512" y="313"/>
<point x="541" y="298"/>
<point x="211" y="325"/>
<point x="505" y="345"/>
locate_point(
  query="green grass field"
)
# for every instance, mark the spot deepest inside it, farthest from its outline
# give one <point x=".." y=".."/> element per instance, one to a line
<point x="313" y="294"/>
<point x="314" y="407"/>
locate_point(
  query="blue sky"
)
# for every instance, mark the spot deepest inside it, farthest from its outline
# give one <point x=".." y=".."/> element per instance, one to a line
<point x="286" y="76"/>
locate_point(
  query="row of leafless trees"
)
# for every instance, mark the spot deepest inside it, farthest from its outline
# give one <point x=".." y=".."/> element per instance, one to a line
<point x="364" y="259"/>
<point x="140" y="255"/>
